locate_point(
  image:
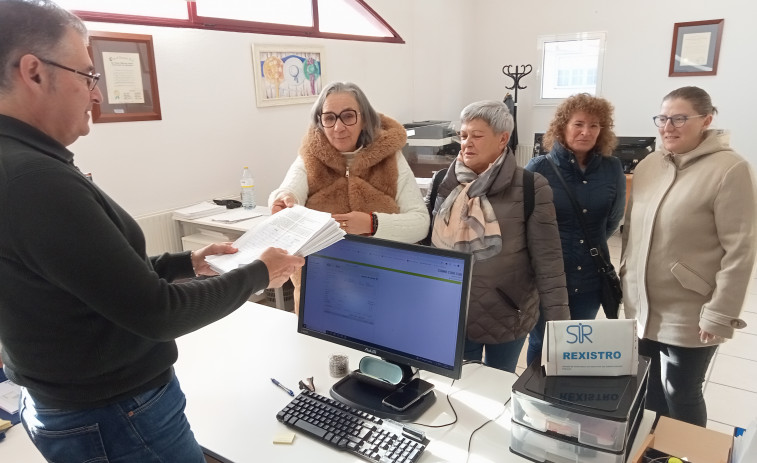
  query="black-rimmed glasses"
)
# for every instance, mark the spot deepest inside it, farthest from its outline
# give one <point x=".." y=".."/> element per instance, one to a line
<point x="348" y="117"/>
<point x="92" y="77"/>
<point x="678" y="120"/>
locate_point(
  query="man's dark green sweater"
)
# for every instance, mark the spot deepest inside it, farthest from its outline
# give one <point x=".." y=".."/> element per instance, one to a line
<point x="86" y="318"/>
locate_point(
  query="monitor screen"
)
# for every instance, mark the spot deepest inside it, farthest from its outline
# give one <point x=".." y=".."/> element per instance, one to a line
<point x="404" y="303"/>
<point x="631" y="150"/>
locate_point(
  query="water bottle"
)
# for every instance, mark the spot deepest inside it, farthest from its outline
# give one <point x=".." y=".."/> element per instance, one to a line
<point x="248" y="189"/>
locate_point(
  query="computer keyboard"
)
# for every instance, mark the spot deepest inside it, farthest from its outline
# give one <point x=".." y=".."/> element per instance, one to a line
<point x="346" y="428"/>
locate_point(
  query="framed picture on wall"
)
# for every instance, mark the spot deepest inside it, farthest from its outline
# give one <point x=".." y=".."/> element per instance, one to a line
<point x="696" y="48"/>
<point x="128" y="81"/>
<point x="287" y="74"/>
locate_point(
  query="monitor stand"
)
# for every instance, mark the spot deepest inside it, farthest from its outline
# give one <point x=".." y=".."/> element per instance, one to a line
<point x="365" y="396"/>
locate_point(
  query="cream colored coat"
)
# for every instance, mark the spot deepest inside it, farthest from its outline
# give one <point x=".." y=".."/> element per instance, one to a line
<point x="689" y="243"/>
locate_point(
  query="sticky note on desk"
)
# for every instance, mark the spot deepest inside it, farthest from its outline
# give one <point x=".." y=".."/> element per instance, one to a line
<point x="4" y="424"/>
<point x="283" y="438"/>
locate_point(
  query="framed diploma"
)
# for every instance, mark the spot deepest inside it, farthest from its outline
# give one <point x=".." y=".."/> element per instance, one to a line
<point x="696" y="48"/>
<point x="287" y="74"/>
<point x="128" y="81"/>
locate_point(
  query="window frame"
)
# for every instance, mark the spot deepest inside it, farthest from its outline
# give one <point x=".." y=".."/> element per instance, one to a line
<point x="194" y="21"/>
<point x="542" y="39"/>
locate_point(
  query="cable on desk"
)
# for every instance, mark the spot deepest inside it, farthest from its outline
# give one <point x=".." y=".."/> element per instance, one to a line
<point x="454" y="412"/>
<point x="504" y="409"/>
<point x="470" y="439"/>
<point x="452" y="407"/>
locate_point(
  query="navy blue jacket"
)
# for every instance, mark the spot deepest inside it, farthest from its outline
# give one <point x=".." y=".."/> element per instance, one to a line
<point x="601" y="191"/>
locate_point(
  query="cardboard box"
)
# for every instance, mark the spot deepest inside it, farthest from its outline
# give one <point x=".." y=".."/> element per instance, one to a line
<point x="590" y="348"/>
<point x="684" y="440"/>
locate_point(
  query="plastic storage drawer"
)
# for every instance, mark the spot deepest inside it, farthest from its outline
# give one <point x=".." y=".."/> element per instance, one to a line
<point x="542" y="448"/>
<point x="588" y="410"/>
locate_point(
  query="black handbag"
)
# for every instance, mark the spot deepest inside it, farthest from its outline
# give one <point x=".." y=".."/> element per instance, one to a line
<point x="612" y="292"/>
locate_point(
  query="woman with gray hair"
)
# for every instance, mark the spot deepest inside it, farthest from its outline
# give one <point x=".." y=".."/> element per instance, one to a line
<point x="479" y="208"/>
<point x="351" y="165"/>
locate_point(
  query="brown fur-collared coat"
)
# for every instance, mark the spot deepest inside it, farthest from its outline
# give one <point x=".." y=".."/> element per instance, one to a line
<point x="370" y="185"/>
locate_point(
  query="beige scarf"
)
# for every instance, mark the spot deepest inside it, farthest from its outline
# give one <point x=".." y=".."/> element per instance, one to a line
<point x="466" y="220"/>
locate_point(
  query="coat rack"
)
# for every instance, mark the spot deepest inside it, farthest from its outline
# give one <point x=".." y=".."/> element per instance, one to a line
<point x="521" y="71"/>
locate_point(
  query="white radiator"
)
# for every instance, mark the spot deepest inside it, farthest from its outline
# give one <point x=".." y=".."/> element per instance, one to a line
<point x="523" y="154"/>
<point x="162" y="233"/>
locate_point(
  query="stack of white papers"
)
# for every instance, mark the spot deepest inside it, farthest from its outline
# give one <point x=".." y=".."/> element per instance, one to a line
<point x="298" y="230"/>
<point x="9" y="395"/>
<point x="202" y="209"/>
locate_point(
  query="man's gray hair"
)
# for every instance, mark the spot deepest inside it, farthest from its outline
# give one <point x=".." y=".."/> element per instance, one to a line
<point x="34" y="27"/>
<point x="494" y="113"/>
<point x="371" y="121"/>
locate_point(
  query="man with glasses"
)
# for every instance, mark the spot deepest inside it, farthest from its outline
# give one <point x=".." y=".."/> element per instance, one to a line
<point x="87" y="320"/>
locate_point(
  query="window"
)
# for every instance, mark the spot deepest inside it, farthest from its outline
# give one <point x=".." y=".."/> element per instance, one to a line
<point x="160" y="9"/>
<point x="347" y="17"/>
<point x="334" y="19"/>
<point x="570" y="64"/>
<point x="290" y="12"/>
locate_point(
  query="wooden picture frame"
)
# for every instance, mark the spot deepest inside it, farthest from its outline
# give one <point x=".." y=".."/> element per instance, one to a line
<point x="696" y="48"/>
<point x="287" y="74"/>
<point x="128" y="82"/>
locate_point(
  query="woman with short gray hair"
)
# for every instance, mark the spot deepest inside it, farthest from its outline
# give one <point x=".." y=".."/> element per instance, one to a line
<point x="481" y="208"/>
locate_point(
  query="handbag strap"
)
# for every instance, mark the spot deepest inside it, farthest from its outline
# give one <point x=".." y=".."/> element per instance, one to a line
<point x="594" y="250"/>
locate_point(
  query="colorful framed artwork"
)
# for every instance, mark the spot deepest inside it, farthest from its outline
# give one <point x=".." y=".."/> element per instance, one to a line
<point x="128" y="81"/>
<point x="696" y="48"/>
<point x="287" y="74"/>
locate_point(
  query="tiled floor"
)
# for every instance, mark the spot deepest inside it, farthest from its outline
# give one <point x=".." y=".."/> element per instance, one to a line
<point x="731" y="385"/>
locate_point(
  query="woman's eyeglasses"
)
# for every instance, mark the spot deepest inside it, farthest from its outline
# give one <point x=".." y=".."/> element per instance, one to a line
<point x="348" y="117"/>
<point x="678" y="120"/>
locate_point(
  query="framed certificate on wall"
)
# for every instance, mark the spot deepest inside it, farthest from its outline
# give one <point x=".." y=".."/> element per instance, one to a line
<point x="696" y="48"/>
<point x="128" y="82"/>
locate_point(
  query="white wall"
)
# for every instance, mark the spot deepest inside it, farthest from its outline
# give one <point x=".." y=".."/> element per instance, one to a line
<point x="211" y="126"/>
<point x="454" y="53"/>
<point x="639" y="38"/>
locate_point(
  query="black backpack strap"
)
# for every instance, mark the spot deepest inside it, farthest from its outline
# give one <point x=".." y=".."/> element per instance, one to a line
<point x="529" y="194"/>
<point x="436" y="179"/>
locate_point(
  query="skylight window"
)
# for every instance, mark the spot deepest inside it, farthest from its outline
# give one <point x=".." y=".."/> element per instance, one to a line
<point x="333" y="19"/>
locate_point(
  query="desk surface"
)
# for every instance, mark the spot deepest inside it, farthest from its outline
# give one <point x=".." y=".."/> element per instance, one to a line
<point x="225" y="371"/>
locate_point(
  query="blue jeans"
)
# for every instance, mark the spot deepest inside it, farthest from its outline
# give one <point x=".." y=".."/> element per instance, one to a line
<point x="676" y="375"/>
<point x="147" y="428"/>
<point x="501" y="356"/>
<point x="583" y="306"/>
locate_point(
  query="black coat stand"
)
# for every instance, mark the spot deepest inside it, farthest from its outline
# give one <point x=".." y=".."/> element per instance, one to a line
<point x="521" y="70"/>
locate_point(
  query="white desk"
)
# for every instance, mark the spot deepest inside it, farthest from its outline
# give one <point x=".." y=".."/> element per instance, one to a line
<point x="18" y="448"/>
<point x="225" y="371"/>
<point x="231" y="230"/>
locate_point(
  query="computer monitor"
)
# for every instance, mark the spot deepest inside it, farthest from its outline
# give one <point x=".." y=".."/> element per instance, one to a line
<point x="631" y="150"/>
<point x="404" y="303"/>
<point x="538" y="147"/>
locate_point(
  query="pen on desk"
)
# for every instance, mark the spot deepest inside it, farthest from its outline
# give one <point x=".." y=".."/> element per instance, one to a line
<point x="288" y="391"/>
